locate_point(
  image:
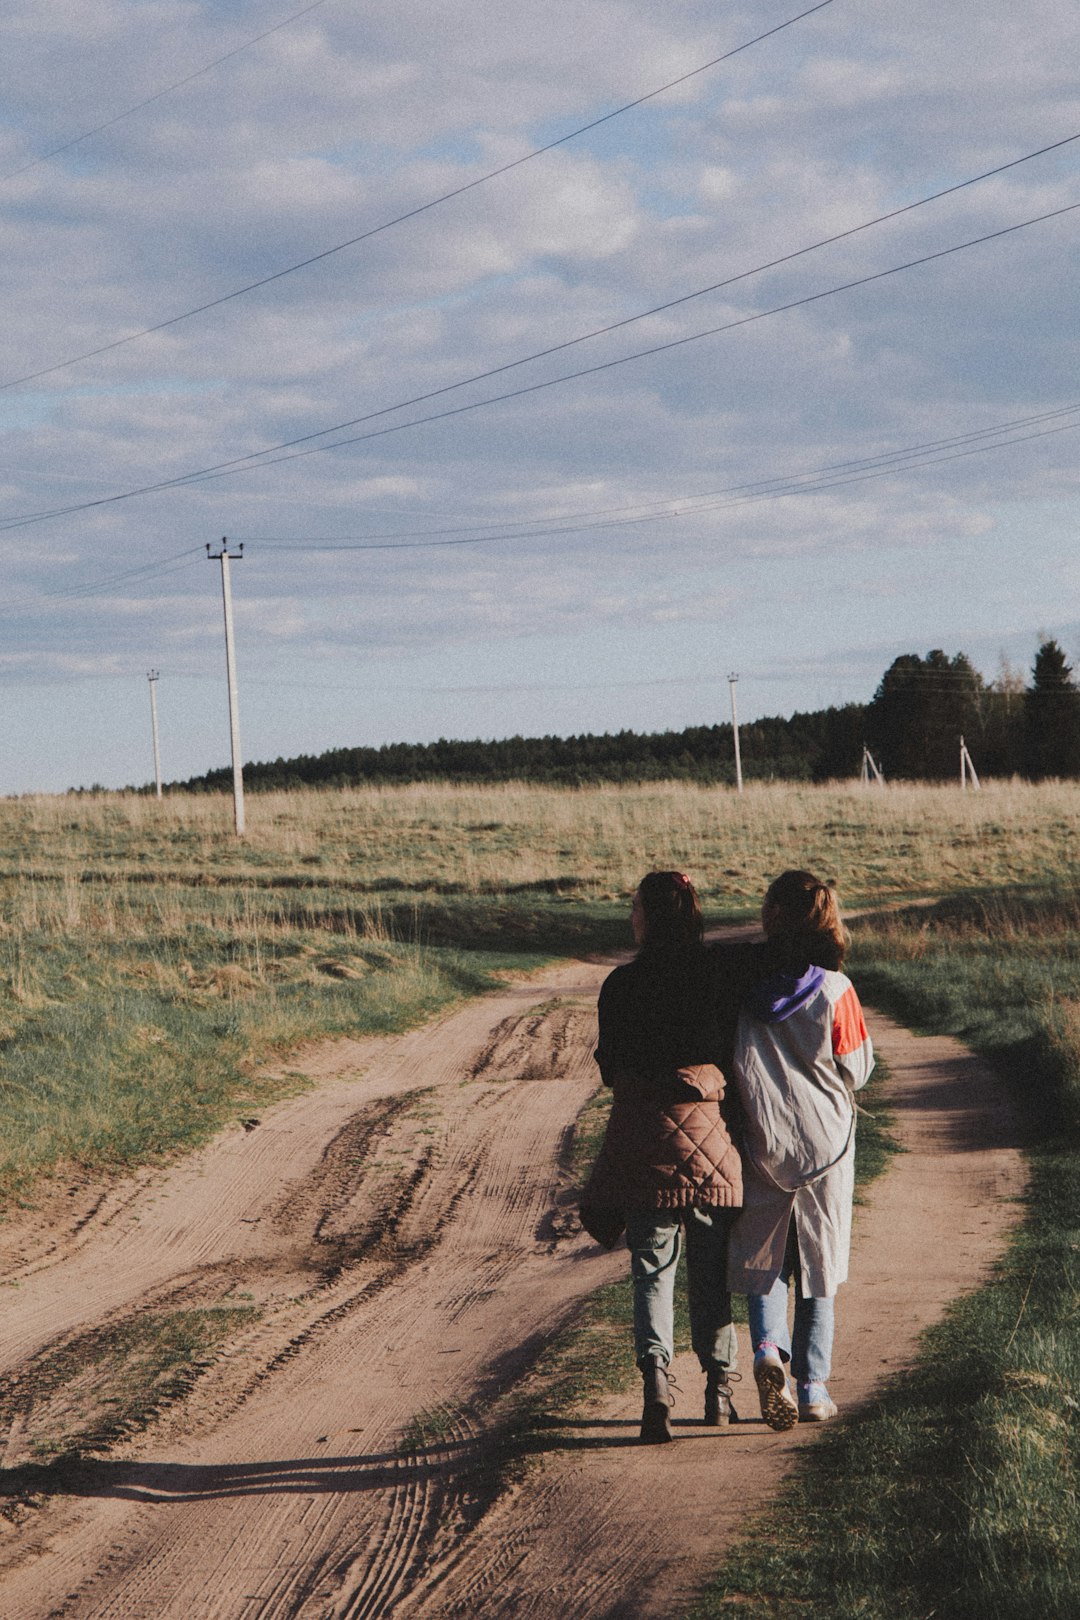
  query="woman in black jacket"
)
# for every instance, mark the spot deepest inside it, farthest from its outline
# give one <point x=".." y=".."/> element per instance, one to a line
<point x="668" y="1165"/>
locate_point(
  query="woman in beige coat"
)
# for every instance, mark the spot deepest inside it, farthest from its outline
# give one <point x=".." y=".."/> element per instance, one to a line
<point x="801" y="1051"/>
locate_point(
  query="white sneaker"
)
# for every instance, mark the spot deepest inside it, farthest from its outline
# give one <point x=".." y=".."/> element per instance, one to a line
<point x="817" y="1411"/>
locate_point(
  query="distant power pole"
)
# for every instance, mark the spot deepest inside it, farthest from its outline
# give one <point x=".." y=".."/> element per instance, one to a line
<point x="152" y="677"/>
<point x="870" y="770"/>
<point x="224" y="558"/>
<point x="732" y="679"/>
<point x="966" y="767"/>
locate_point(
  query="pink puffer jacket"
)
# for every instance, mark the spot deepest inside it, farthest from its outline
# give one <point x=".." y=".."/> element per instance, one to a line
<point x="666" y="1146"/>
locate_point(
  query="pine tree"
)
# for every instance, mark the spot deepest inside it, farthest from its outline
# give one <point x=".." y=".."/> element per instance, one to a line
<point x="1051" y="717"/>
<point x="919" y="712"/>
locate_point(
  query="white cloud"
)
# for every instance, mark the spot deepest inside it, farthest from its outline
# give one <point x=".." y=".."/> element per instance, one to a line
<point x="353" y="115"/>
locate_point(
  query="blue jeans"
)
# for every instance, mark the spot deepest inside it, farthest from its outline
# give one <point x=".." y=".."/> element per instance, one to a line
<point x="809" y="1348"/>
<point x="654" y="1239"/>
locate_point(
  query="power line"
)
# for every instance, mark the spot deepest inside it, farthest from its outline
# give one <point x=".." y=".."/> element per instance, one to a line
<point x="653" y="511"/>
<point x="144" y="569"/>
<point x="600" y="331"/>
<point x="117" y="118"/>
<point x="223" y="469"/>
<point x="796" y="485"/>
<point x="654" y="507"/>
<point x="250" y="463"/>
<point x="794" y="488"/>
<point x="698" y="678"/>
<point x="684" y="298"/>
<point x="422" y="208"/>
<point x="772" y="488"/>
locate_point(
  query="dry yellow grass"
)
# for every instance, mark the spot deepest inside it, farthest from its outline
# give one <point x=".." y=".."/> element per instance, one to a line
<point x="594" y="841"/>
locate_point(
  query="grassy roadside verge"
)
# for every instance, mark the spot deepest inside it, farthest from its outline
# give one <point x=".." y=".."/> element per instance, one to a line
<point x="127" y="1034"/>
<point x="138" y="1018"/>
<point x="956" y="1495"/>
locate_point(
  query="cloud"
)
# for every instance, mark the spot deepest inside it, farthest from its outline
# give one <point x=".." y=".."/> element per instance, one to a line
<point x="351" y="116"/>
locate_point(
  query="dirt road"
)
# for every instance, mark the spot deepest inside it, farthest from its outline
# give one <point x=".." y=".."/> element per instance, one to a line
<point x="403" y="1231"/>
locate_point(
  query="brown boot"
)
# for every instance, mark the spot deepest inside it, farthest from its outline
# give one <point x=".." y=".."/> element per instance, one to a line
<point x="658" y="1401"/>
<point x="719" y="1406"/>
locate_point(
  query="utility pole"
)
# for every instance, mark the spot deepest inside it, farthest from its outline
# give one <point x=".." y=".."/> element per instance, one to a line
<point x="152" y="677"/>
<point x="966" y="767"/>
<point x="870" y="769"/>
<point x="223" y="556"/>
<point x="735" y="733"/>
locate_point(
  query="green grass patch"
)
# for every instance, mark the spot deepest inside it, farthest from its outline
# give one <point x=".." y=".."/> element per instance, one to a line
<point x="139" y="1023"/>
<point x="875" y="1141"/>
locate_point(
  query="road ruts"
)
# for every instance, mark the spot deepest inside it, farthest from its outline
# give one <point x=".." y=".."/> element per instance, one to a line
<point x="397" y="1230"/>
<point x="397" y="1227"/>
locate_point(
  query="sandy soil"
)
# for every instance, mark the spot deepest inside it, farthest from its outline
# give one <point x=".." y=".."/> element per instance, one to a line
<point x="405" y="1230"/>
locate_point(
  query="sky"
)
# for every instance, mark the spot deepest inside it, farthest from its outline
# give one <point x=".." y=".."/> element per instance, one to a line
<point x="801" y="480"/>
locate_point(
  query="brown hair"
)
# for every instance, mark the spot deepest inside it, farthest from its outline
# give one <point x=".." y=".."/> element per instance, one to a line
<point x="672" y="914"/>
<point x="805" y="925"/>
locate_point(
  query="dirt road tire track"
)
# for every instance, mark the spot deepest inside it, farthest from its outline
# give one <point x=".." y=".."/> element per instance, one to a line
<point x="330" y="1465"/>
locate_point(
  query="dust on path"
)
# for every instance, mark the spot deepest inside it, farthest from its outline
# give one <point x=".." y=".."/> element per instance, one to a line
<point x="404" y="1231"/>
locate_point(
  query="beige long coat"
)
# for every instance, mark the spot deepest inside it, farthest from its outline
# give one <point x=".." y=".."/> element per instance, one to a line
<point x="795" y="1078"/>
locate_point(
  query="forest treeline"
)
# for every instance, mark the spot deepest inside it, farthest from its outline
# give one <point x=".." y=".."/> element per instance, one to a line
<point x="913" y="724"/>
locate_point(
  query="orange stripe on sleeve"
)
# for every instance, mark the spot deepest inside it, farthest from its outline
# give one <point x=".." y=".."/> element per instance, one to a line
<point x="849" y="1026"/>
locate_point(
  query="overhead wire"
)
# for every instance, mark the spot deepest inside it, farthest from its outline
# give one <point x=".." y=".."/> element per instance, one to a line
<point x="252" y="461"/>
<point x="746" y="499"/>
<point x="178" y="84"/>
<point x="257" y="460"/>
<point x="684" y="298"/>
<point x="739" y="494"/>
<point x="309" y="548"/>
<point x="481" y="689"/>
<point x="421" y="208"/>
<point x="92" y="588"/>
<point x="647" y="511"/>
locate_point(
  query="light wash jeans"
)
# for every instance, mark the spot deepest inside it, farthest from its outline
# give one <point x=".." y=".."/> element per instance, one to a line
<point x="809" y="1348"/>
<point x="654" y="1239"/>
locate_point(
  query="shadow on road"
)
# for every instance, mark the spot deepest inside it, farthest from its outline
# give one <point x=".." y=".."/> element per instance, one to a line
<point x="164" y="1482"/>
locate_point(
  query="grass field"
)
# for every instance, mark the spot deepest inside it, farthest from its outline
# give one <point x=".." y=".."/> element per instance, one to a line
<point x="150" y="965"/>
<point x="589" y="843"/>
<point x="150" y="962"/>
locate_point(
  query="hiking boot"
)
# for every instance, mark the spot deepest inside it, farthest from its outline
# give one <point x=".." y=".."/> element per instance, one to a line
<point x="658" y="1401"/>
<point x="778" y="1406"/>
<point x="719" y="1405"/>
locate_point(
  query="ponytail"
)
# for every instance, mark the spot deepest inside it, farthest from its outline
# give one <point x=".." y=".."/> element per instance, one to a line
<point x="803" y="922"/>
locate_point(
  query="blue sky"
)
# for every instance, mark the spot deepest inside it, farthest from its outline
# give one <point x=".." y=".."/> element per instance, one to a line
<point x="633" y="617"/>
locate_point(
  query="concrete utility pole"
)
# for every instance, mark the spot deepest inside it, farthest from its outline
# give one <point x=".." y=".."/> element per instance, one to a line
<point x="735" y="733"/>
<point x="152" y="677"/>
<point x="966" y="767"/>
<point x="870" y="769"/>
<point x="224" y="558"/>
